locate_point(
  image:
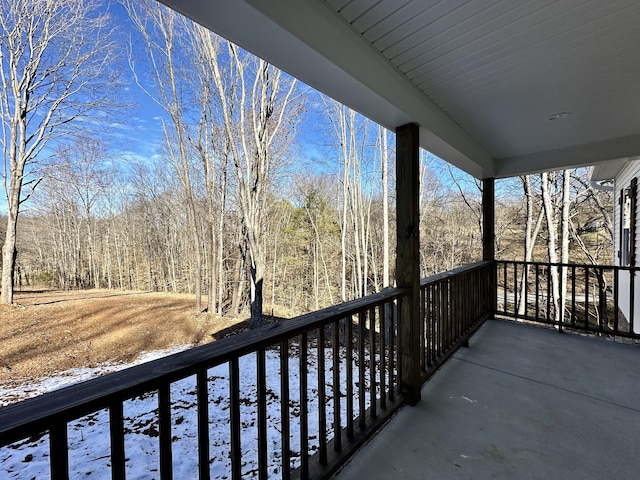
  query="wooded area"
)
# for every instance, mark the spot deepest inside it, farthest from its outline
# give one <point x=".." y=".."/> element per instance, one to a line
<point x="92" y="233"/>
<point x="231" y="206"/>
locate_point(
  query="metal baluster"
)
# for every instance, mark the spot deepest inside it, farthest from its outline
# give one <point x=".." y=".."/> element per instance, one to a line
<point x="322" y="398"/>
<point x="284" y="410"/>
<point x="262" y="413"/>
<point x="337" y="427"/>
<point x="349" y="367"/>
<point x="234" y="414"/>
<point x="164" y="418"/>
<point x="116" y="432"/>
<point x="202" y="387"/>
<point x="59" y="450"/>
<point x="304" y="409"/>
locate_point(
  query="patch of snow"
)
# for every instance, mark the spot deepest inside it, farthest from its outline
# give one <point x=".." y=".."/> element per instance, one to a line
<point x="12" y="393"/>
<point x="89" y="441"/>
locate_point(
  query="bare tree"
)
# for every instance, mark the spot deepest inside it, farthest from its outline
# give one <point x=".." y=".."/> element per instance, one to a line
<point x="558" y="274"/>
<point x="530" y="236"/>
<point x="54" y="57"/>
<point x="258" y="105"/>
<point x="592" y="214"/>
<point x="351" y="133"/>
<point x="213" y="147"/>
<point x="167" y="36"/>
<point x="546" y="186"/>
<point x="384" y="161"/>
<point x="78" y="178"/>
<point x="450" y="216"/>
<point x="565" y="207"/>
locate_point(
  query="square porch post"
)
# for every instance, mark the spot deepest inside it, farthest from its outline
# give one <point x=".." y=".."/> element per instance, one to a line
<point x="408" y="257"/>
<point x="489" y="237"/>
<point x="488" y="219"/>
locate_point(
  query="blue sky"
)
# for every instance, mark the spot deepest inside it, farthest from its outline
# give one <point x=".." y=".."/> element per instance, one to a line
<point x="135" y="132"/>
<point x="139" y="135"/>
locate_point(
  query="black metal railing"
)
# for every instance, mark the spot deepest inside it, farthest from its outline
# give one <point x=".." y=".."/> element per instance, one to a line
<point x="295" y="399"/>
<point x="598" y="298"/>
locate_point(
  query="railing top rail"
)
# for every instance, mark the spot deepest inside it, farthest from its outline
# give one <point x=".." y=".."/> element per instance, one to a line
<point x="456" y="271"/>
<point x="26" y="417"/>
<point x="577" y="265"/>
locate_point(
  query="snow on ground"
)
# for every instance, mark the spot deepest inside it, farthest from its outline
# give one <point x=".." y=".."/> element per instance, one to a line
<point x="88" y="437"/>
<point x="10" y="393"/>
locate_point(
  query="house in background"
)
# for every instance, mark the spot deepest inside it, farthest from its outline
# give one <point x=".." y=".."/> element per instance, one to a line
<point x="624" y="176"/>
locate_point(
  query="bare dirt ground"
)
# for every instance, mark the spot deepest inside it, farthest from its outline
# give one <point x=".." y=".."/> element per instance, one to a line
<point x="52" y="331"/>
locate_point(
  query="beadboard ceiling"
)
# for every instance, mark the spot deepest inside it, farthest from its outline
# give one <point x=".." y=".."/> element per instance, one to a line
<point x="484" y="79"/>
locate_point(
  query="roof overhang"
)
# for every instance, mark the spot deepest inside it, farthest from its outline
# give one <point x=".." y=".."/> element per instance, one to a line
<point x="483" y="79"/>
<point x="609" y="170"/>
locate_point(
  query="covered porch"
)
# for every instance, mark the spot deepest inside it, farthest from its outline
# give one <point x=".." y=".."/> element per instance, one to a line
<point x="521" y="402"/>
<point x="501" y="399"/>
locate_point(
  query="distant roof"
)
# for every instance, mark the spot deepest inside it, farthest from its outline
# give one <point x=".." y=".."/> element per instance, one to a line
<point x="607" y="171"/>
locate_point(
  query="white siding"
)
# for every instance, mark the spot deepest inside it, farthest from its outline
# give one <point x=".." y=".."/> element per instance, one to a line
<point x="622" y="181"/>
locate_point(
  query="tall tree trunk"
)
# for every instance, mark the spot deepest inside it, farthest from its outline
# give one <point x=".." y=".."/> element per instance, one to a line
<point x="220" y="238"/>
<point x="564" y="236"/>
<point x="385" y="206"/>
<point x="257" y="290"/>
<point x="342" y="132"/>
<point x="549" y="211"/>
<point x="171" y="27"/>
<point x="16" y="161"/>
<point x="253" y="118"/>
<point x="530" y="237"/>
<point x="9" y="250"/>
<point x="212" y="287"/>
<point x="238" y="284"/>
<point x="46" y="82"/>
<point x="197" y="247"/>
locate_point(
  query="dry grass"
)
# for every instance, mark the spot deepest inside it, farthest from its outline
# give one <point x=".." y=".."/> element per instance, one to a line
<point x="51" y="331"/>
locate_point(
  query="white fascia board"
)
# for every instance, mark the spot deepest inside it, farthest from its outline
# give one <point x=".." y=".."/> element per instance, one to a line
<point x="592" y="154"/>
<point x="308" y="41"/>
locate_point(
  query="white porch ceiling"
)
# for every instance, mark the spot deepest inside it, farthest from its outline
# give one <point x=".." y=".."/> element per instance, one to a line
<point x="480" y="77"/>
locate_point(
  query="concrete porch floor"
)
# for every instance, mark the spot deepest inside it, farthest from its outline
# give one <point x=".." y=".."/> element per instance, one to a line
<point x="521" y="403"/>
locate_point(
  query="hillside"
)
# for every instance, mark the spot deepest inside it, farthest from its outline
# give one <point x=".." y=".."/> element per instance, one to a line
<point x="52" y="331"/>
